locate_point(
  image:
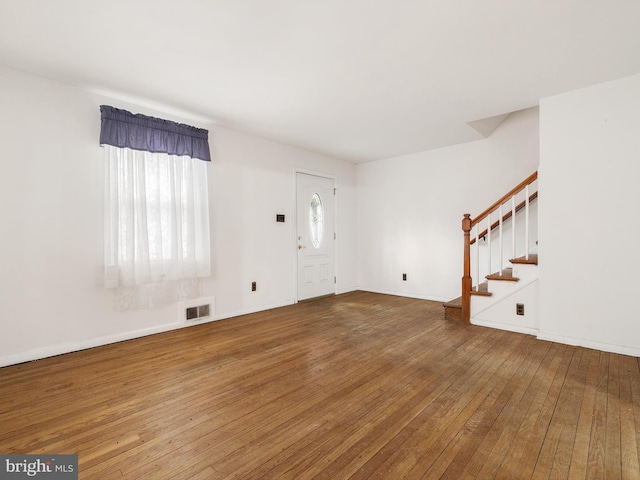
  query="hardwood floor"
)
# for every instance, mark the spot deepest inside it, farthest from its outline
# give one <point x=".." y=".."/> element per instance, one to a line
<point x="357" y="386"/>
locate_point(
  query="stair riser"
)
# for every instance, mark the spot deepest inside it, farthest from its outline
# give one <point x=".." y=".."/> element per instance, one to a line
<point x="451" y="313"/>
<point x="524" y="274"/>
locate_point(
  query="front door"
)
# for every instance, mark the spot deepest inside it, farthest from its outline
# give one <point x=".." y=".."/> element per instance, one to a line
<point x="315" y="235"/>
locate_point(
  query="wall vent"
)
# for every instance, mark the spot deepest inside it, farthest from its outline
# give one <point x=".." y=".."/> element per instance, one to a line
<point x="198" y="310"/>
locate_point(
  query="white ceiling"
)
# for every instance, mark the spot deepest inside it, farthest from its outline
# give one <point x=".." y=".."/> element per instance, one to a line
<point x="356" y="79"/>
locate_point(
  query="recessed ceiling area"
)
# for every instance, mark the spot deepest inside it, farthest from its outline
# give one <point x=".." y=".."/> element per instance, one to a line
<point x="355" y="79"/>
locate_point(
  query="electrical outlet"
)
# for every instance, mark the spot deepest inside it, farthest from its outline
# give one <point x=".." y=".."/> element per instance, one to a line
<point x="519" y="308"/>
<point x="404" y="277"/>
<point x="253" y="286"/>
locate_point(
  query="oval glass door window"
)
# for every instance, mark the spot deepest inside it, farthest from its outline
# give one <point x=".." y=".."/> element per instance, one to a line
<point x="316" y="221"/>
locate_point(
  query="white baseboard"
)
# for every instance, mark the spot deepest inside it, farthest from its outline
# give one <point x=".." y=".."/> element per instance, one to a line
<point x="247" y="311"/>
<point x="340" y="291"/>
<point x="580" y="342"/>
<point x="60" y="349"/>
<point x="577" y="342"/>
<point x="408" y="295"/>
<point x="50" y="351"/>
<point x="505" y="326"/>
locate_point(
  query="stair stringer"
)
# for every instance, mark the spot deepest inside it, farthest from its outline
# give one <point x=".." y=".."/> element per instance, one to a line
<point x="499" y="310"/>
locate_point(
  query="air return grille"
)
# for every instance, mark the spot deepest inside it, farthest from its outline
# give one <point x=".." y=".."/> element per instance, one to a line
<point x="198" y="310"/>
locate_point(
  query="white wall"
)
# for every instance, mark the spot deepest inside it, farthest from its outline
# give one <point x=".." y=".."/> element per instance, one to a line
<point x="408" y="217"/>
<point x="588" y="223"/>
<point x="51" y="221"/>
<point x="410" y="208"/>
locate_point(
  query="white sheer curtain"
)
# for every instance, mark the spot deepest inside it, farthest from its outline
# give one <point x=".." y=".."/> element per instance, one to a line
<point x="156" y="226"/>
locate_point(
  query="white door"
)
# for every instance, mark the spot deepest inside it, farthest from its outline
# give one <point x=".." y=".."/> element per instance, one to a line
<point x="315" y="235"/>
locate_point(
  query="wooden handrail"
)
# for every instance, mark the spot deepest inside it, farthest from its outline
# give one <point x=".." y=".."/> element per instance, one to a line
<point x="506" y="216"/>
<point x="530" y="179"/>
<point x="467" y="225"/>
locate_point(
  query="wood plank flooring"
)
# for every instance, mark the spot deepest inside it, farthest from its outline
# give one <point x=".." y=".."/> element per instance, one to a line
<point x="361" y="386"/>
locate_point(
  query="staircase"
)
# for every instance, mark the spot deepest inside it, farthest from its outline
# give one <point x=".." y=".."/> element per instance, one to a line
<point x="453" y="308"/>
<point x="504" y="281"/>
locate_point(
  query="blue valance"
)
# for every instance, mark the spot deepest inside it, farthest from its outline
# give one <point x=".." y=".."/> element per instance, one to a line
<point x="124" y="129"/>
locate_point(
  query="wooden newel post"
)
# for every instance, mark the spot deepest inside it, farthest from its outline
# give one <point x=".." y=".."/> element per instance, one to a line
<point x="466" y="279"/>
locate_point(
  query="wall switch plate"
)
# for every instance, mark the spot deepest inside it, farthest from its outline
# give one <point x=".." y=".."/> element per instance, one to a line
<point x="404" y="277"/>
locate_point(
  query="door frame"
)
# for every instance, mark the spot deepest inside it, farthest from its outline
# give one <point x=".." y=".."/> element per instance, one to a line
<point x="295" y="224"/>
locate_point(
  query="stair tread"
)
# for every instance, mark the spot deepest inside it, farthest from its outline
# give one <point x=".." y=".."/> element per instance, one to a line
<point x="507" y="276"/>
<point x="455" y="303"/>
<point x="532" y="260"/>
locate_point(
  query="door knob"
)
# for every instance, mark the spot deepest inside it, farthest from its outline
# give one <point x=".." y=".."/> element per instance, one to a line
<point x="301" y="246"/>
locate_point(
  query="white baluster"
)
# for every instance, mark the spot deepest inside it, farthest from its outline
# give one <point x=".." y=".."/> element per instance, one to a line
<point x="477" y="257"/>
<point x="500" y="237"/>
<point x="488" y="244"/>
<point x="513" y="227"/>
<point x="526" y="222"/>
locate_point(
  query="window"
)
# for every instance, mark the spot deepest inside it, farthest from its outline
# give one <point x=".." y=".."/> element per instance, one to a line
<point x="156" y="202"/>
<point x="316" y="221"/>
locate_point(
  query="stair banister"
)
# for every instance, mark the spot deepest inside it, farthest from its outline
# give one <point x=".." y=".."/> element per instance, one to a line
<point x="506" y="216"/>
<point x="530" y="179"/>
<point x="468" y="223"/>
